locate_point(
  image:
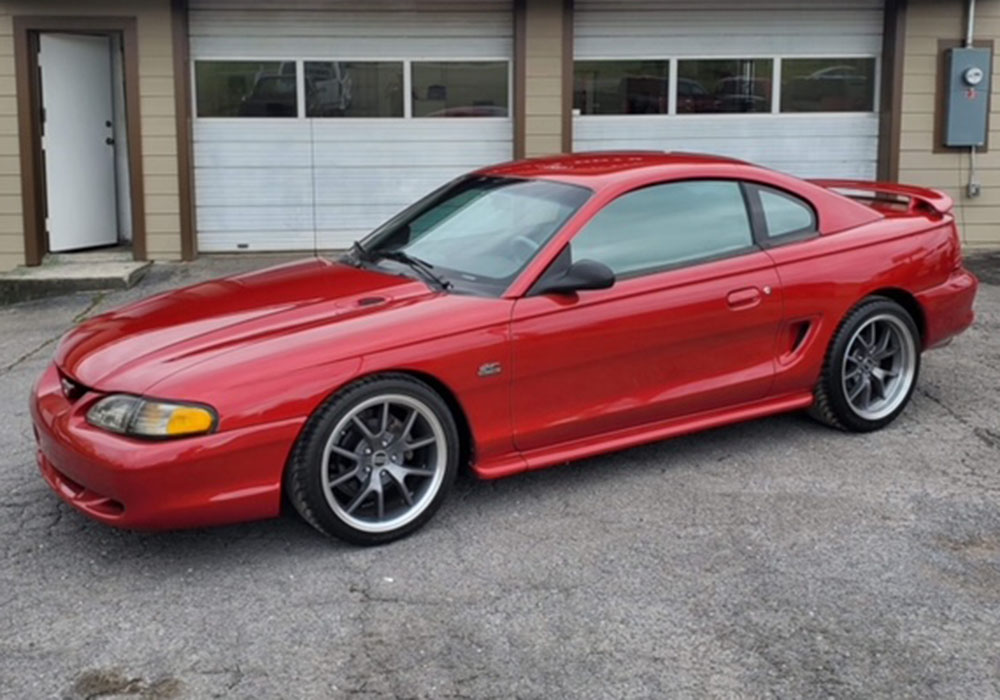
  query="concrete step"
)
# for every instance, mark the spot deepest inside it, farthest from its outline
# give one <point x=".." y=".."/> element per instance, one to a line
<point x="58" y="276"/>
<point x="118" y="253"/>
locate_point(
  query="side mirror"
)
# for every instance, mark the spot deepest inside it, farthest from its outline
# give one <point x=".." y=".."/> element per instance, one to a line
<point x="583" y="274"/>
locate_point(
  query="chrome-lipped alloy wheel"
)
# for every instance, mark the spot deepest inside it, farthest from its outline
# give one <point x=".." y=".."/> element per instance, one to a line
<point x="879" y="366"/>
<point x="384" y="462"/>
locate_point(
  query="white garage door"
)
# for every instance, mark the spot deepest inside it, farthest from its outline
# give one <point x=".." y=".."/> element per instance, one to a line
<point x="316" y="121"/>
<point x="791" y="85"/>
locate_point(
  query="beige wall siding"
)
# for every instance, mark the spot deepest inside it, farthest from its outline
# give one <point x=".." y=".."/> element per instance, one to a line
<point x="927" y="22"/>
<point x="156" y="96"/>
<point x="543" y="77"/>
<point x="11" y="225"/>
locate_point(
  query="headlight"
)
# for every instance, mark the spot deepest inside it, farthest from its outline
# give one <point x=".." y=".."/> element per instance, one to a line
<point x="132" y="415"/>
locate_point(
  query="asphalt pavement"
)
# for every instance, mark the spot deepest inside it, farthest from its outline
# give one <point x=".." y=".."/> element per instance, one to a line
<point x="776" y="558"/>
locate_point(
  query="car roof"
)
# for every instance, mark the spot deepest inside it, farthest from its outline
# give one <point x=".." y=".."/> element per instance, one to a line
<point x="618" y="171"/>
<point x="594" y="168"/>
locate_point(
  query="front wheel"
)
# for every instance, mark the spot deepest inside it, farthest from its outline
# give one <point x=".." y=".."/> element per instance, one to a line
<point x="375" y="462"/>
<point x="871" y="368"/>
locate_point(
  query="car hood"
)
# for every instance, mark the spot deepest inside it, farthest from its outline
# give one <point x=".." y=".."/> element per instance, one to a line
<point x="134" y="347"/>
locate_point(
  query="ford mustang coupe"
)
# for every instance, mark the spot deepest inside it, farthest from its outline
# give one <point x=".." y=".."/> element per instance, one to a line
<point x="522" y="316"/>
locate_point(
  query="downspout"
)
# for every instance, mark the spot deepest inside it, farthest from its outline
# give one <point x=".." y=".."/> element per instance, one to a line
<point x="972" y="188"/>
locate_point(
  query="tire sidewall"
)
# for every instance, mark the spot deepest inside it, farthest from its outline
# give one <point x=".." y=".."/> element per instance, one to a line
<point x="838" y="400"/>
<point x="307" y="464"/>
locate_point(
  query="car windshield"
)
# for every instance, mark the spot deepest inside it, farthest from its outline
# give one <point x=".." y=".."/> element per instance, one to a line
<point x="477" y="233"/>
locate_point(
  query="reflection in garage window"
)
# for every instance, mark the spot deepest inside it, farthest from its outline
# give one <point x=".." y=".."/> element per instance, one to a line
<point x="459" y="89"/>
<point x="245" y="88"/>
<point x="827" y="84"/>
<point x="354" y="89"/>
<point x="728" y="85"/>
<point x="621" y="87"/>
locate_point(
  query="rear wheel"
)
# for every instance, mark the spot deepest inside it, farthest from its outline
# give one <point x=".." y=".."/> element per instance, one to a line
<point x="871" y="368"/>
<point x="376" y="461"/>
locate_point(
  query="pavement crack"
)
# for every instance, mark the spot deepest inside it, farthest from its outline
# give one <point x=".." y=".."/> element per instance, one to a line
<point x="28" y="355"/>
<point x="94" y="301"/>
<point x="940" y="402"/>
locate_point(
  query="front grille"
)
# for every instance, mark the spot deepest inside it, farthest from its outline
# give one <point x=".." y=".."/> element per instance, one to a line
<point x="72" y="389"/>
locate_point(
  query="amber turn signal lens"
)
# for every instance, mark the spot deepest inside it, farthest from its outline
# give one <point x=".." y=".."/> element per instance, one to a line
<point x="189" y="419"/>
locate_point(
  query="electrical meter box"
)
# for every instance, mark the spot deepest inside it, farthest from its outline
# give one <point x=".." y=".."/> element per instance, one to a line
<point x="968" y="97"/>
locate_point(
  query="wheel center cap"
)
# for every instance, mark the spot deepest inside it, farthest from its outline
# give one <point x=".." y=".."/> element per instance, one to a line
<point x="380" y="459"/>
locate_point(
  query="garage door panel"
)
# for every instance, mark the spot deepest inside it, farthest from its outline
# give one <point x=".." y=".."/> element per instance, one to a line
<point x="225" y="241"/>
<point x="606" y="29"/>
<point x="355" y="217"/>
<point x="681" y="46"/>
<point x="282" y="184"/>
<point x="253" y="186"/>
<point x="251" y="129"/>
<point x="466" y="155"/>
<point x="255" y="218"/>
<point x="337" y="188"/>
<point x="726" y="126"/>
<point x="261" y="154"/>
<point x="334" y="29"/>
<point x="317" y="47"/>
<point x="835" y="144"/>
<point x="413" y="130"/>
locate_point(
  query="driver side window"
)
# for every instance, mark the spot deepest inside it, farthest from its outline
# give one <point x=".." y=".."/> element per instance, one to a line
<point x="667" y="225"/>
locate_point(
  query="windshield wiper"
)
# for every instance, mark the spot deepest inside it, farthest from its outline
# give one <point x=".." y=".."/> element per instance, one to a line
<point x="424" y="268"/>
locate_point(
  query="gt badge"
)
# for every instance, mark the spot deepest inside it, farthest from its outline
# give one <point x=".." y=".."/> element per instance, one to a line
<point x="489" y="369"/>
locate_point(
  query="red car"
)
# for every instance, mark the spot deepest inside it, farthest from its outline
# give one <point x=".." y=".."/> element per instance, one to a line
<point x="522" y="316"/>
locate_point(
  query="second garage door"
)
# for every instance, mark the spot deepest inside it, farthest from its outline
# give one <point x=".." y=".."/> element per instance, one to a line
<point x="315" y="122"/>
<point x="790" y="85"/>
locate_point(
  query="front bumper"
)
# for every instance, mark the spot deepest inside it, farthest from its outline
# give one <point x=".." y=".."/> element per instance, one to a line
<point x="224" y="477"/>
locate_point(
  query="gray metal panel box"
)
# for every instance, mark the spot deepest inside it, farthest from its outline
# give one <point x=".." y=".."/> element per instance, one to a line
<point x="968" y="97"/>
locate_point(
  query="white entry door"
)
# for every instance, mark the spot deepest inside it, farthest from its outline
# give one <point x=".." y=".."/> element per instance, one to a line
<point x="77" y="138"/>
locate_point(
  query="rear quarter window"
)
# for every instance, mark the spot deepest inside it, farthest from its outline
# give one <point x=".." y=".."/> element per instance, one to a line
<point x="785" y="217"/>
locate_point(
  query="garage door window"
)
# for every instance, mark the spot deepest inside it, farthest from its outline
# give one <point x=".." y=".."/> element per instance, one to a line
<point x="245" y="88"/>
<point x="667" y="226"/>
<point x="460" y="88"/>
<point x="354" y="89"/>
<point x="827" y="84"/>
<point x="621" y="87"/>
<point x="729" y="85"/>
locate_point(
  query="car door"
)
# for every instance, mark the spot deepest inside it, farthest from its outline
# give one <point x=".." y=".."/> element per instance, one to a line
<point x="689" y="326"/>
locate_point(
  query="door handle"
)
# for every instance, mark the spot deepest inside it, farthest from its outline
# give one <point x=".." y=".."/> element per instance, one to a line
<point x="110" y="141"/>
<point x="744" y="298"/>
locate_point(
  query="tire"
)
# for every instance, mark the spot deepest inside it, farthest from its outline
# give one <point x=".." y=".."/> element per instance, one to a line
<point x="375" y="461"/>
<point x="862" y="387"/>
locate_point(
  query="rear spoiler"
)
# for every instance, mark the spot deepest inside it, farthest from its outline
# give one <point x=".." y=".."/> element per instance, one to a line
<point x="919" y="197"/>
